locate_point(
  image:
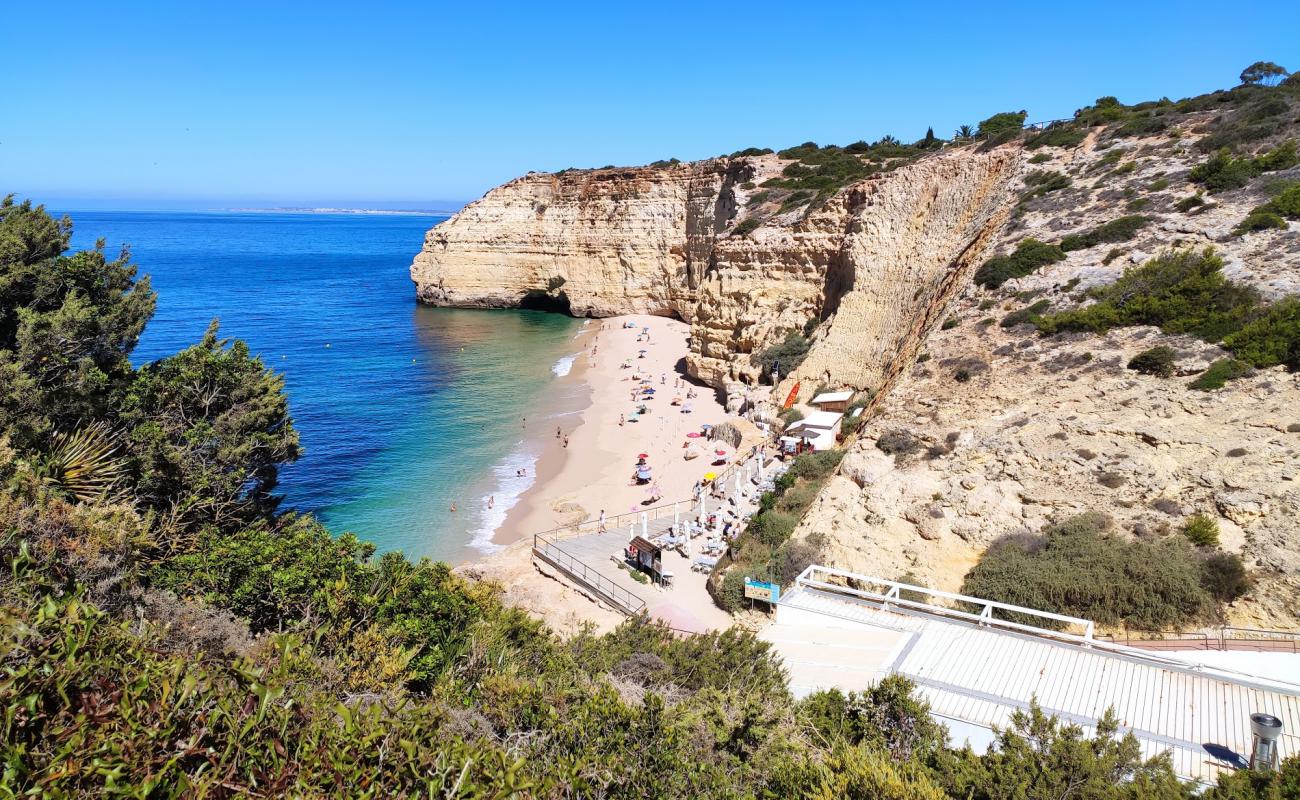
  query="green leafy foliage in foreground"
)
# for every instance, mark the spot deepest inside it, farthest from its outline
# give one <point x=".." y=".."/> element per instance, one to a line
<point x="1222" y="171"/>
<point x="1079" y="566"/>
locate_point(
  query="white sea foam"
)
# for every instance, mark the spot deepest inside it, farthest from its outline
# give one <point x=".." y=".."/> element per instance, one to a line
<point x="506" y="489"/>
<point x="562" y="367"/>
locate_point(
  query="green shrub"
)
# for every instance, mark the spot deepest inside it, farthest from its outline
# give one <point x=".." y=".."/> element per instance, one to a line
<point x="731" y="594"/>
<point x="1026" y="314"/>
<point x="1158" y="185"/>
<point x="950" y="323"/>
<point x="962" y="375"/>
<point x="1002" y="127"/>
<point x="746" y="226"/>
<point x="1041" y="182"/>
<point x="1138" y="203"/>
<point x="1221" y="172"/>
<point x="1201" y="531"/>
<point x="1189" y="202"/>
<point x="1219" y="373"/>
<point x="1028" y="257"/>
<point x="773" y="527"/>
<point x="1224" y="576"/>
<point x="1158" y="361"/>
<point x="1078" y="567"/>
<point x="790" y="415"/>
<point x="1058" y="135"/>
<point x="1271" y="338"/>
<point x="1040" y="158"/>
<point x="788" y="354"/>
<point x="1180" y="292"/>
<point x="1117" y="230"/>
<point x="1259" y="219"/>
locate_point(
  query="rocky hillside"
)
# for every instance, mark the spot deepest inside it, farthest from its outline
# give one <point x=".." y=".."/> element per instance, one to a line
<point x="999" y="429"/>
<point x="870" y="264"/>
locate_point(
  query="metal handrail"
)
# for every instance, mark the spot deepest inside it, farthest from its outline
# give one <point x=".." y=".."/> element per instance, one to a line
<point x="986" y="618"/>
<point x="625" y="600"/>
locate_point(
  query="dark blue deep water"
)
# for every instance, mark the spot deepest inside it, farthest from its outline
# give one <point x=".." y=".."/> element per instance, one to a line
<point x="402" y="409"/>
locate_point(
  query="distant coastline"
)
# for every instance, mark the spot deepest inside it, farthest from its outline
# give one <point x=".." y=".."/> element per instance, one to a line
<point x="412" y="212"/>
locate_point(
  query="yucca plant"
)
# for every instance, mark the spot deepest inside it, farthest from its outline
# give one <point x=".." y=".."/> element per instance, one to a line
<point x="84" y="464"/>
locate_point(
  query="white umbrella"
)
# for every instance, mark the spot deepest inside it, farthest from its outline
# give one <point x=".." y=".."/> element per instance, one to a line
<point x="645" y="521"/>
<point x="631" y="531"/>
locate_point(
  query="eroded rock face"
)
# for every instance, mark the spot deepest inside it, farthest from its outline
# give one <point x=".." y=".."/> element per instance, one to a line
<point x="593" y="242"/>
<point x="873" y="267"/>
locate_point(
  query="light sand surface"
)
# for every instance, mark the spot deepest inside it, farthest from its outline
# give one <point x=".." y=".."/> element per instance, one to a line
<point x="595" y="472"/>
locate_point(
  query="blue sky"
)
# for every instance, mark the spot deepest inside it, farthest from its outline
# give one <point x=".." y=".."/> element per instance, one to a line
<point x="425" y="104"/>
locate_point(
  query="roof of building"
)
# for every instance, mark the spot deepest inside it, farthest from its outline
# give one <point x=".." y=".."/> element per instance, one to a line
<point x="819" y="419"/>
<point x="832" y="397"/>
<point x="980" y="675"/>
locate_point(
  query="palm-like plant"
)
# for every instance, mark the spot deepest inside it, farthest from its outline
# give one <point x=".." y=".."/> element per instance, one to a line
<point x="964" y="132"/>
<point x="84" y="464"/>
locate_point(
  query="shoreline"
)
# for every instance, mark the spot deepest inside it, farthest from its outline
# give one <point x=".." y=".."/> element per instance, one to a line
<point x="594" y="472"/>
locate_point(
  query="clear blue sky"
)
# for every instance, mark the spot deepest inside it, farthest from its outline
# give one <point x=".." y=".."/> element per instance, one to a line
<point x="420" y="103"/>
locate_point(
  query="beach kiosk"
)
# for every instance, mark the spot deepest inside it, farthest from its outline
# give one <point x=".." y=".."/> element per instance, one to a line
<point x="833" y="401"/>
<point x="817" y="430"/>
<point x="646" y="556"/>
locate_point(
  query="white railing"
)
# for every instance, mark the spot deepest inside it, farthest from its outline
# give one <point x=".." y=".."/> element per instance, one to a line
<point x="892" y="596"/>
<point x="891" y="599"/>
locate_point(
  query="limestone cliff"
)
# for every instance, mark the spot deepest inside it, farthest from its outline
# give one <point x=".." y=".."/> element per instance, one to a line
<point x="1013" y="429"/>
<point x="873" y="266"/>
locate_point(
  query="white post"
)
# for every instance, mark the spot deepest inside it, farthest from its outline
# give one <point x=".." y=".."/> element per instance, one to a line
<point x="760" y="465"/>
<point x="631" y="531"/>
<point x="645" y="523"/>
<point x="704" y="511"/>
<point x="677" y="516"/>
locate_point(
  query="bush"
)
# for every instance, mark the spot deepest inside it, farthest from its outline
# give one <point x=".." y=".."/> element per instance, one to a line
<point x="1026" y="314"/>
<point x="1201" y="531"/>
<point x="898" y="443"/>
<point x="950" y="323"/>
<point x="1040" y="158"/>
<point x="1077" y="567"/>
<point x="1158" y="361"/>
<point x="1041" y="182"/>
<point x="1259" y="219"/>
<point x="1058" y="135"/>
<point x="1002" y="127"/>
<point x="962" y="375"/>
<point x="1219" y="373"/>
<point x="1180" y="292"/>
<point x="1029" y="255"/>
<point x="789" y="353"/>
<point x="1224" y="576"/>
<point x="1190" y="202"/>
<point x="746" y="226"/>
<point x="1117" y="230"/>
<point x="1221" y="172"/>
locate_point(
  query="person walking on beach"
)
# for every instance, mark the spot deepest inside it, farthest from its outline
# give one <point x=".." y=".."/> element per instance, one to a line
<point x="566" y="441"/>
<point x="620" y="420"/>
<point x="557" y="431"/>
<point x="601" y="528"/>
<point x="491" y="501"/>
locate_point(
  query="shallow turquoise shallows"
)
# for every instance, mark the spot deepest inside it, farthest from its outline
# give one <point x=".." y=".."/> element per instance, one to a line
<point x="402" y="409"/>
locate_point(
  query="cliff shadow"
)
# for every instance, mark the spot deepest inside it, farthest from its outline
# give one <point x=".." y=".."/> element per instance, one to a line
<point x="542" y="300"/>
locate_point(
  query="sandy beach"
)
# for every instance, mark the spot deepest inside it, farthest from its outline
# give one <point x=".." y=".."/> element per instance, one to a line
<point x="594" y="472"/>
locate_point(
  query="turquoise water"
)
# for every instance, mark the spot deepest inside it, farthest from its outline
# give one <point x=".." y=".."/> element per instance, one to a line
<point x="402" y="409"/>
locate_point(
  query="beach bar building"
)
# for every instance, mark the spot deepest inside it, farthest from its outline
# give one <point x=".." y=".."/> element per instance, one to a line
<point x="646" y="556"/>
<point x="833" y="401"/>
<point x="817" y="430"/>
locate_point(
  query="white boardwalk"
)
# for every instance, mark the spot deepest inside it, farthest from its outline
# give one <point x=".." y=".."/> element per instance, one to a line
<point x="979" y="674"/>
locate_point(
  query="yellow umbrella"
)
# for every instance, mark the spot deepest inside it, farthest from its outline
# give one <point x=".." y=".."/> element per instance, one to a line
<point x="708" y="476"/>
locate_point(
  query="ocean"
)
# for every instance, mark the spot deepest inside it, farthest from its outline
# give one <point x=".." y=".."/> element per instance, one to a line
<point x="403" y="410"/>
